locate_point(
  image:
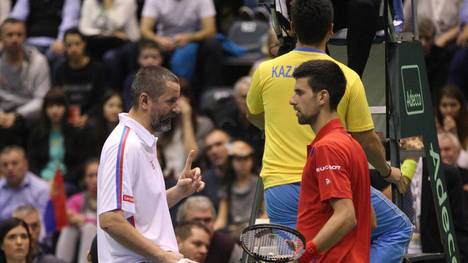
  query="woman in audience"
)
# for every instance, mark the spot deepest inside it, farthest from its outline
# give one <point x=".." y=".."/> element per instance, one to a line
<point x="237" y="195"/>
<point x="452" y="113"/>
<point x="108" y="24"/>
<point x="53" y="142"/>
<point x="81" y="212"/>
<point x="101" y="124"/>
<point x="15" y="241"/>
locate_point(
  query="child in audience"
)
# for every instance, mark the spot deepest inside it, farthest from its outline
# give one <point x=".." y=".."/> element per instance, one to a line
<point x="81" y="212"/>
<point x="149" y="54"/>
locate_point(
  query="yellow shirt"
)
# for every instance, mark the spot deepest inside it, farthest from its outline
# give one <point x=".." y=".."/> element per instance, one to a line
<point x="286" y="140"/>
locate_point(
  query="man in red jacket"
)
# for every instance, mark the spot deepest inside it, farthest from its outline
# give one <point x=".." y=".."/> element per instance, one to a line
<point x="334" y="204"/>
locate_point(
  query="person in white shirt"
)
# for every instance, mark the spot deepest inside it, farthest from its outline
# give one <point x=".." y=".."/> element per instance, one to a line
<point x="133" y="215"/>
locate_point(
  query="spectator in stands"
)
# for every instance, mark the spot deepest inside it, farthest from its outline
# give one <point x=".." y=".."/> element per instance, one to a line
<point x="436" y="58"/>
<point x="81" y="77"/>
<point x="445" y="16"/>
<point x="81" y="212"/>
<point x="24" y="80"/>
<point x="222" y="248"/>
<point x="19" y="186"/>
<point x="39" y="251"/>
<point x="149" y="54"/>
<point x="193" y="240"/>
<point x="458" y="73"/>
<point x="15" y="241"/>
<point x="54" y="143"/>
<point x="238" y="190"/>
<point x="216" y="146"/>
<point x="101" y="124"/>
<point x="240" y="127"/>
<point x="451" y="151"/>
<point x="46" y="21"/>
<point x="108" y="24"/>
<point x="180" y="26"/>
<point x="452" y="113"/>
<point x="452" y="154"/>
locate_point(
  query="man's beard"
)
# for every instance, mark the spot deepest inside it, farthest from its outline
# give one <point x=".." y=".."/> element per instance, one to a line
<point x="163" y="124"/>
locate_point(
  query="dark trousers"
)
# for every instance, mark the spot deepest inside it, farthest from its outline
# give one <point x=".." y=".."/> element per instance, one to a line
<point x="360" y="17"/>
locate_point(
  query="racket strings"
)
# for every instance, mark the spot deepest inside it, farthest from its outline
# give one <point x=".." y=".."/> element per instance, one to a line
<point x="272" y="244"/>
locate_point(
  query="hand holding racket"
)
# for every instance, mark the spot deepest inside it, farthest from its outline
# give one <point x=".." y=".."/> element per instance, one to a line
<point x="272" y="243"/>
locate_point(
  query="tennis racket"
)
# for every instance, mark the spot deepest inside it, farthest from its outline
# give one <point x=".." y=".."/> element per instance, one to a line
<point x="272" y="243"/>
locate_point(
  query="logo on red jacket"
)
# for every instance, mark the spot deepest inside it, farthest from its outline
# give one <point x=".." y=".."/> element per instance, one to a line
<point x="327" y="167"/>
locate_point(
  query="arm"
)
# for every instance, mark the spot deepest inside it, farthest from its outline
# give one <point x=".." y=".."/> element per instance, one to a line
<point x="338" y="225"/>
<point x="254" y="101"/>
<point x="119" y="15"/>
<point x="188" y="133"/>
<point x="223" y="210"/>
<point x="40" y="79"/>
<point x="114" y="224"/>
<point x="258" y="120"/>
<point x="146" y="27"/>
<point x="71" y="16"/>
<point x="375" y="153"/>
<point x="88" y="12"/>
<point x="208" y="29"/>
<point x="443" y="39"/>
<point x="20" y="10"/>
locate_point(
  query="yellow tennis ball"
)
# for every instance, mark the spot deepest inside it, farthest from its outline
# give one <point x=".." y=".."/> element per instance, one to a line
<point x="408" y="168"/>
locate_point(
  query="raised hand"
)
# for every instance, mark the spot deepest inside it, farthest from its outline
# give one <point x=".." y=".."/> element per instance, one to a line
<point x="190" y="180"/>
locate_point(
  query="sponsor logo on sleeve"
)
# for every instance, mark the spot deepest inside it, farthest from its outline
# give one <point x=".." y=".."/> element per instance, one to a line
<point x="128" y="198"/>
<point x="327" y="167"/>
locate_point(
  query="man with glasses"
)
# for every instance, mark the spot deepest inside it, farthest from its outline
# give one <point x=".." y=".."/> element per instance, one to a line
<point x="31" y="216"/>
<point x="200" y="209"/>
<point x="217" y="154"/>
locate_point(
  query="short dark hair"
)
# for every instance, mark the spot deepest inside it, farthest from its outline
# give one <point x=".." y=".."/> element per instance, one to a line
<point x="11" y="20"/>
<point x="323" y="75"/>
<point x="184" y="230"/>
<point x="152" y="80"/>
<point x="146" y="43"/>
<point x="74" y="31"/>
<point x="311" y="19"/>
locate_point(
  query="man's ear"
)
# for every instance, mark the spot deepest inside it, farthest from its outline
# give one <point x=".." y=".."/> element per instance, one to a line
<point x="324" y="97"/>
<point x="143" y="100"/>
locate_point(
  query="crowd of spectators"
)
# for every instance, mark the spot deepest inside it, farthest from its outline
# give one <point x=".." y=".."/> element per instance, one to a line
<point x="66" y="69"/>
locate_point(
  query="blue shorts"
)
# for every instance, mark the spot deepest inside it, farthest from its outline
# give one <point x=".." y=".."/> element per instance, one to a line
<point x="389" y="241"/>
<point x="281" y="204"/>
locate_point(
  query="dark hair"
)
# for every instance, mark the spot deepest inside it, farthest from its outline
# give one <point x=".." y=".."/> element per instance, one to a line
<point x="323" y="75"/>
<point x="74" y="31"/>
<point x="151" y="80"/>
<point x="453" y="91"/>
<point x="184" y="230"/>
<point x="101" y="124"/>
<point x="311" y="19"/>
<point x="8" y="225"/>
<point x="146" y="43"/>
<point x="11" y="20"/>
<point x="55" y="96"/>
